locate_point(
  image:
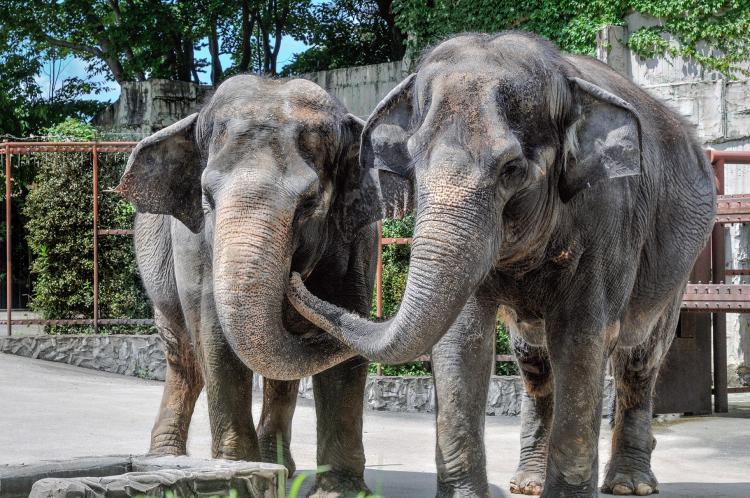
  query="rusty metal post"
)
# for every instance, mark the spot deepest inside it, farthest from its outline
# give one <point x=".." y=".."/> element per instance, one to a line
<point x="718" y="263"/>
<point x="379" y="286"/>
<point x="8" y="255"/>
<point x="95" y="164"/>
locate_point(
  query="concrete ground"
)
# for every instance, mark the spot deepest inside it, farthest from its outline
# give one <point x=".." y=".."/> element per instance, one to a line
<point x="51" y="411"/>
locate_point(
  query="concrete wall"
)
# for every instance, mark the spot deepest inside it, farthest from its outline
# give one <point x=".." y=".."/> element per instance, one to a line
<point x="361" y="88"/>
<point x="147" y="106"/>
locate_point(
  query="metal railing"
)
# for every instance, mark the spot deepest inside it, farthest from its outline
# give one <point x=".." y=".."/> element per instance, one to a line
<point x="9" y="149"/>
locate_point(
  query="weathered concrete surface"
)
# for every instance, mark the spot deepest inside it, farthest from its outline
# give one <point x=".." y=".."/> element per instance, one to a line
<point x="17" y="480"/>
<point x="147" y="106"/>
<point x="51" y="410"/>
<point x="181" y="476"/>
<point x="135" y="355"/>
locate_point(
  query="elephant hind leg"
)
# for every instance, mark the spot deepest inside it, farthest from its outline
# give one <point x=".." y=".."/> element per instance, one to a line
<point x="182" y="386"/>
<point x="536" y="417"/>
<point x="635" y="371"/>
<point x="275" y="425"/>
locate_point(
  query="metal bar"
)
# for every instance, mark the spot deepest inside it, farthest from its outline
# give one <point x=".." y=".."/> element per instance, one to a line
<point x="737" y="271"/>
<point x="95" y="181"/>
<point x="728" y="156"/>
<point x="395" y="240"/>
<point x="8" y="255"/>
<point x="115" y="231"/>
<point x="81" y="321"/>
<point x="738" y="389"/>
<point x="721" y="399"/>
<point x="379" y="286"/>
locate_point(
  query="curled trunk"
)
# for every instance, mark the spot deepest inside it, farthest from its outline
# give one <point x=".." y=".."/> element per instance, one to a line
<point x="450" y="256"/>
<point x="251" y="269"/>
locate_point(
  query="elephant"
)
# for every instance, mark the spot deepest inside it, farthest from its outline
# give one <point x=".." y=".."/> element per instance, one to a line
<point x="551" y="188"/>
<point x="265" y="179"/>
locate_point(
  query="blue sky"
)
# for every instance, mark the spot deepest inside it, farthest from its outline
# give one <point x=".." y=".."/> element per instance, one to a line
<point x="73" y="66"/>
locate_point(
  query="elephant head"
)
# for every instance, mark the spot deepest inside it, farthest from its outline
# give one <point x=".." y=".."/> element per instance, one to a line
<point x="268" y="173"/>
<point x="499" y="134"/>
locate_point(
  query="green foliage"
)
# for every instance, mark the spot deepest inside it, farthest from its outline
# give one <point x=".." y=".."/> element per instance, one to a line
<point x="346" y="33"/>
<point x="395" y="269"/>
<point x="701" y="26"/>
<point x="59" y="216"/>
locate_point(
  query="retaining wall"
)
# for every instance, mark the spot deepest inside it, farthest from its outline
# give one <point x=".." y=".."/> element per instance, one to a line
<point x="142" y="356"/>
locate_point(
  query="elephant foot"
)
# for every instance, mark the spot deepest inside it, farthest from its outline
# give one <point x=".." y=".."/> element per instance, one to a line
<point x="167" y="444"/>
<point x="629" y="479"/>
<point x="166" y="451"/>
<point x="454" y="490"/>
<point x="527" y="482"/>
<point x="269" y="453"/>
<point x="334" y="485"/>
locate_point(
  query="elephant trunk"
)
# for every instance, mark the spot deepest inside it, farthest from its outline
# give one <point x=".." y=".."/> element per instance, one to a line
<point x="450" y="256"/>
<point x="251" y="263"/>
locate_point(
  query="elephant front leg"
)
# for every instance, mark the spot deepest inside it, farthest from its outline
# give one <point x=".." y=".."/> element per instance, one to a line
<point x="339" y="401"/>
<point x="182" y="386"/>
<point x="577" y="356"/>
<point x="462" y="363"/>
<point x="275" y="425"/>
<point x="536" y="417"/>
<point x="229" y="387"/>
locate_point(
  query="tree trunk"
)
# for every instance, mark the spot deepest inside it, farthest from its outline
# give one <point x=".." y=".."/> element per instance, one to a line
<point x="246" y="30"/>
<point x="213" y="48"/>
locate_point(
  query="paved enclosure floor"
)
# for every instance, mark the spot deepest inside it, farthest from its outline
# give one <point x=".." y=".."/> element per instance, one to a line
<point x="49" y="410"/>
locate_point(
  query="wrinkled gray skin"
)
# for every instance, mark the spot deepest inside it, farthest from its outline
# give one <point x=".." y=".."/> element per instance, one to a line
<point x="551" y="186"/>
<point x="265" y="180"/>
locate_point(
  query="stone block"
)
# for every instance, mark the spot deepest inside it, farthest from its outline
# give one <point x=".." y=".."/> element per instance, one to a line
<point x="142" y="476"/>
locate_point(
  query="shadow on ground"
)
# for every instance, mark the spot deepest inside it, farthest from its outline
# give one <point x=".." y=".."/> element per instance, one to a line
<point x="396" y="484"/>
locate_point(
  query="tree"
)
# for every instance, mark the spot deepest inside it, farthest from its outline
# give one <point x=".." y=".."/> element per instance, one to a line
<point x="347" y="33"/>
<point x="132" y="40"/>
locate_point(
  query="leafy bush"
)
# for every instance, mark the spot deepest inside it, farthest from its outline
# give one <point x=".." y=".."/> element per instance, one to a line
<point x="395" y="269"/>
<point x="59" y="214"/>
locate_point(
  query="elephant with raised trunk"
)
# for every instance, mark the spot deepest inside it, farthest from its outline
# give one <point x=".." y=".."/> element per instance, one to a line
<point x="264" y="180"/>
<point x="549" y="185"/>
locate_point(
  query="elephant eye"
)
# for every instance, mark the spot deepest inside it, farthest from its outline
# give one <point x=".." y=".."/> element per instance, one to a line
<point x="307" y="206"/>
<point x="512" y="168"/>
<point x="208" y="200"/>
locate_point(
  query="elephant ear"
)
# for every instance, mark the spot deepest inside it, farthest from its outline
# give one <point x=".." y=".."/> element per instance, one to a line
<point x="357" y="203"/>
<point x="384" y="148"/>
<point x="604" y="142"/>
<point x="163" y="174"/>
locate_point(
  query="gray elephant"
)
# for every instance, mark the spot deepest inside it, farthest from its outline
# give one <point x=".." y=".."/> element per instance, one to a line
<point x="550" y="185"/>
<point x="264" y="180"/>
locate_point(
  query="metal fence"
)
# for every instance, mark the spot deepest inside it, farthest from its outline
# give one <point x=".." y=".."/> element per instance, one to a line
<point x="10" y="149"/>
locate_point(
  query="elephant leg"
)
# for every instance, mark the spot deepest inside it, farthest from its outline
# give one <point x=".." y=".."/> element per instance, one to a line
<point x="462" y="363"/>
<point x="635" y="371"/>
<point x="577" y="357"/>
<point x="536" y="417"/>
<point x="229" y="387"/>
<point x="275" y="425"/>
<point x="182" y="387"/>
<point x="339" y="401"/>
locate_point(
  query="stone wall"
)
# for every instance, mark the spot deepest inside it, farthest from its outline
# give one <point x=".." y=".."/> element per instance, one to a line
<point x="142" y="356"/>
<point x="134" y="355"/>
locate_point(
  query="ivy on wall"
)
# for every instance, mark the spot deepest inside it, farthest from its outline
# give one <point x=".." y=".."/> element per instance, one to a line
<point x="712" y="32"/>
